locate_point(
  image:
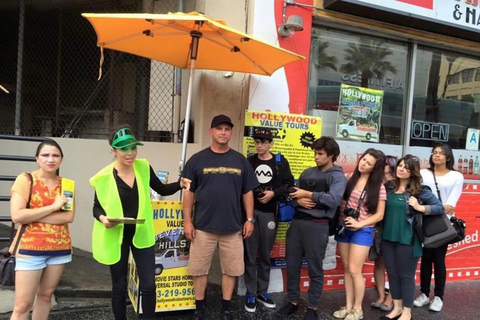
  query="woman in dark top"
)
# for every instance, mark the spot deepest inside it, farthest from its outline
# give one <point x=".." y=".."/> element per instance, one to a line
<point x="384" y="301"/>
<point x="122" y="190"/>
<point x="401" y="247"/>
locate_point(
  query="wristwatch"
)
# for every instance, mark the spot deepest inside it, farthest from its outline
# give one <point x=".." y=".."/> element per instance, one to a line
<point x="252" y="220"/>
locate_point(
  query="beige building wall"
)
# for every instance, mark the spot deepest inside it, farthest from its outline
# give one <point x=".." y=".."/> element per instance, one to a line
<point x="84" y="158"/>
<point x="212" y="93"/>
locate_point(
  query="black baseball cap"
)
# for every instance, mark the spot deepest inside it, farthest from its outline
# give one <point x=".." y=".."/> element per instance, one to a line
<point x="221" y="118"/>
<point x="263" y="133"/>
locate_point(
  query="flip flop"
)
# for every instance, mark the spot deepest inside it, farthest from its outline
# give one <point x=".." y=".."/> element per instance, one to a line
<point x="376" y="304"/>
<point x="385" y="307"/>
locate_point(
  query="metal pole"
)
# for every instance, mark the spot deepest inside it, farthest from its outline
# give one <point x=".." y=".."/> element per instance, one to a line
<point x="187" y="115"/>
<point x="177" y="96"/>
<point x="59" y="69"/>
<point x="411" y="92"/>
<point x="196" y="36"/>
<point x="18" y="97"/>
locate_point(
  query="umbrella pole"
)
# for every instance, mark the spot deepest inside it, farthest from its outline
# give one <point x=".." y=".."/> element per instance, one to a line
<point x="196" y="35"/>
<point x="187" y="115"/>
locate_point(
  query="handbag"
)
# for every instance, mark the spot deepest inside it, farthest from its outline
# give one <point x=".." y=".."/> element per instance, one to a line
<point x="433" y="230"/>
<point x="285" y="210"/>
<point x="7" y="263"/>
<point x="375" y="251"/>
<point x="458" y="224"/>
<point x="7" y="259"/>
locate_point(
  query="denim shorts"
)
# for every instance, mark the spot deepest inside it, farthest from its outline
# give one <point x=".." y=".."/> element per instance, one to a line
<point x="361" y="237"/>
<point x="31" y="263"/>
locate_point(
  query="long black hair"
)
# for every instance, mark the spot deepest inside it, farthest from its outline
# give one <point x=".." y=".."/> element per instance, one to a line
<point x="448" y="154"/>
<point x="375" y="180"/>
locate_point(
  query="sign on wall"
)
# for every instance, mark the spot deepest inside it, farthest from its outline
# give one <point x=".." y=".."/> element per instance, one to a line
<point x="457" y="13"/>
<point x="359" y="113"/>
<point x="293" y="136"/>
<point x="471" y="143"/>
<point x="434" y="131"/>
<point x="174" y="284"/>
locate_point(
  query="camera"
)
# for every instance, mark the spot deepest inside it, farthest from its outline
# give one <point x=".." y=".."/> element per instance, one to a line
<point x="291" y="190"/>
<point x="348" y="212"/>
<point x="258" y="193"/>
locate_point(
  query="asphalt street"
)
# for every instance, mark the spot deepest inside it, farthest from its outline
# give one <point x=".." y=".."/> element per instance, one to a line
<point x="461" y="302"/>
<point x="84" y="291"/>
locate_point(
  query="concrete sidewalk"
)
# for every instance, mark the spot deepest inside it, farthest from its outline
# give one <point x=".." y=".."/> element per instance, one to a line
<point x="86" y="285"/>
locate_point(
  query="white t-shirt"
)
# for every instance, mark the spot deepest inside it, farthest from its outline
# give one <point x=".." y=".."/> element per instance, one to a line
<point x="450" y="185"/>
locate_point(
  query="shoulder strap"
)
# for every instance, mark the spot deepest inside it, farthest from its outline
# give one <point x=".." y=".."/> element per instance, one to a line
<point x="362" y="198"/>
<point x="436" y="185"/>
<point x="24" y="226"/>
<point x="278" y="158"/>
<point x="278" y="167"/>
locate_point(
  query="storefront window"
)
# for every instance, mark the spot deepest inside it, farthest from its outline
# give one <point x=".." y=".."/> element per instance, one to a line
<point x="446" y="98"/>
<point x="362" y="61"/>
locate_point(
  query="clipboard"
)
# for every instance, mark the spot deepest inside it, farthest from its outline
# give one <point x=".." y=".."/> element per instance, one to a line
<point x="127" y="220"/>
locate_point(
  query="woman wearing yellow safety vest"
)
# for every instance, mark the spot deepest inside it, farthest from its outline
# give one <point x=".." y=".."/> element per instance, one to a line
<point x="122" y="190"/>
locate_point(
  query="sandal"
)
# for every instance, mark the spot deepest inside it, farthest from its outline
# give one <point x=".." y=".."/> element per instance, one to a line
<point x="376" y="304"/>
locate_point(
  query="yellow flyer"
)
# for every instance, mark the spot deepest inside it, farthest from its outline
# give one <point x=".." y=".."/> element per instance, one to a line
<point x="68" y="190"/>
<point x="174" y="284"/>
<point x="293" y="136"/>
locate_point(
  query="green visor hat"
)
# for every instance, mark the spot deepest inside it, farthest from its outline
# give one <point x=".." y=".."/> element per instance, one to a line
<point x="124" y="138"/>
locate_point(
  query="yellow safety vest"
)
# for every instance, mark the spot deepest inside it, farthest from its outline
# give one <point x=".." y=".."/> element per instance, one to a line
<point x="106" y="242"/>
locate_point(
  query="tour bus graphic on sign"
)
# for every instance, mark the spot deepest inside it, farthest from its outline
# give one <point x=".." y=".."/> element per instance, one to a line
<point x="171" y="250"/>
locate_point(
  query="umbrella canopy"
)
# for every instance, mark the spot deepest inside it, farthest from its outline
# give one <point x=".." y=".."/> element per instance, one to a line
<point x="190" y="41"/>
<point x="168" y="38"/>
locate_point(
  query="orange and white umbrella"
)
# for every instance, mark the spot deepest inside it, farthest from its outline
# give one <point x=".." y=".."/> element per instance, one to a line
<point x="189" y="41"/>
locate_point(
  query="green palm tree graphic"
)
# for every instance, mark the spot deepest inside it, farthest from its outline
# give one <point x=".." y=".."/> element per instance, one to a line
<point x="368" y="59"/>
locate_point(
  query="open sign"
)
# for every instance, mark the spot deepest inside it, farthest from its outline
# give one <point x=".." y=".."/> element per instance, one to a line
<point x="429" y="131"/>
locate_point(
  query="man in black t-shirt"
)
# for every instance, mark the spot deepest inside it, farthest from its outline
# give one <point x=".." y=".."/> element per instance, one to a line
<point x="274" y="175"/>
<point x="221" y="179"/>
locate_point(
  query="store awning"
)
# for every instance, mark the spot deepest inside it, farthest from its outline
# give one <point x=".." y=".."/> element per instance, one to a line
<point x="415" y="14"/>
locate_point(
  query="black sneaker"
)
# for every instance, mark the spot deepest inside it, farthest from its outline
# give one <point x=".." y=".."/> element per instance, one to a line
<point x="198" y="315"/>
<point x="250" y="303"/>
<point x="287" y="310"/>
<point x="266" y="300"/>
<point x="226" y="315"/>
<point x="310" y="315"/>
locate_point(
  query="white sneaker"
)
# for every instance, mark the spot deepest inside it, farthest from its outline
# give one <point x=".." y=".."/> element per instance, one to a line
<point x="436" y="304"/>
<point x="422" y="300"/>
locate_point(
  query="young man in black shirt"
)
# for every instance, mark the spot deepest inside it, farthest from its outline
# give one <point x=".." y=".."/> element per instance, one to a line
<point x="220" y="179"/>
<point x="274" y="175"/>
